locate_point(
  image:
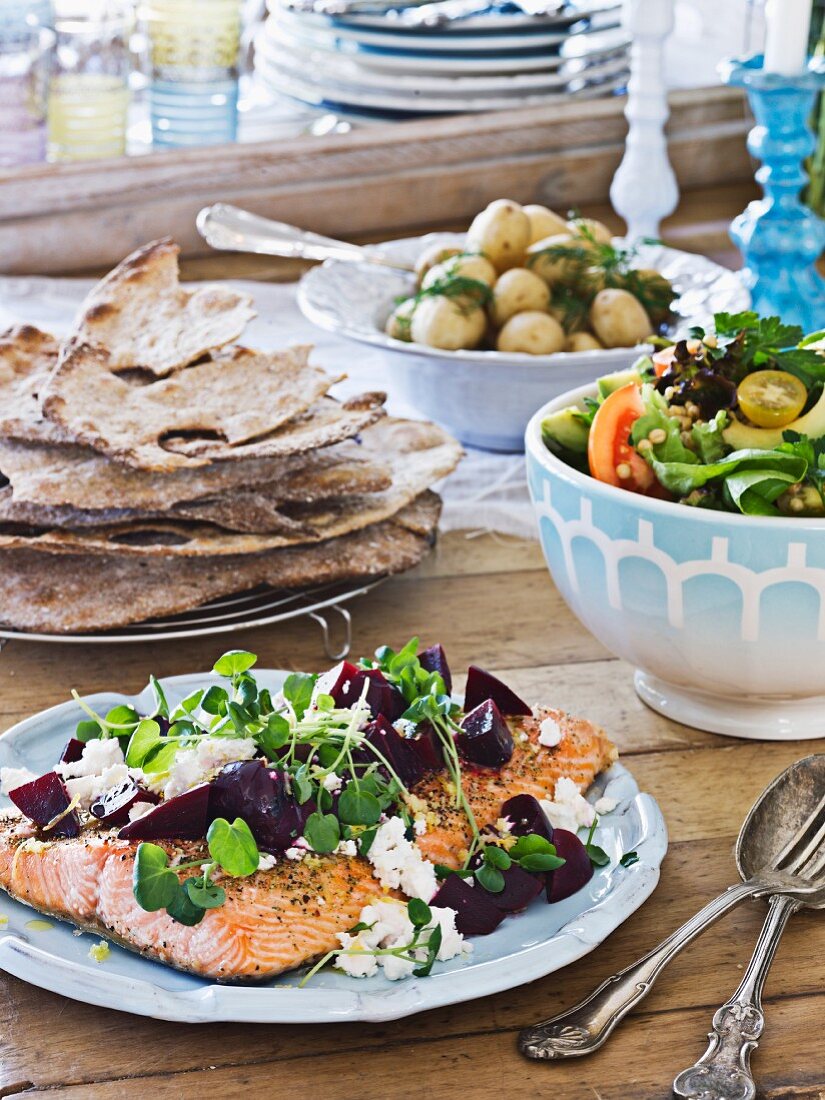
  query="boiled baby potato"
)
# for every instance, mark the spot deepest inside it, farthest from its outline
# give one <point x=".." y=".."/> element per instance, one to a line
<point x="501" y="233"/>
<point x="590" y="229"/>
<point x="544" y="223"/>
<point x="618" y="319"/>
<point x="518" y="290"/>
<point x="462" y="266"/>
<point x="448" y="323"/>
<point x="532" y="332"/>
<point x="435" y="254"/>
<point x="399" y="321"/>
<point x="551" y="260"/>
<point x="657" y="290"/>
<point x="583" y="341"/>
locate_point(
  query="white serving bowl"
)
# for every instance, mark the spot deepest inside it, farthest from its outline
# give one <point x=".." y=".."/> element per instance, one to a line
<point x="723" y="616"/>
<point x="485" y="398"/>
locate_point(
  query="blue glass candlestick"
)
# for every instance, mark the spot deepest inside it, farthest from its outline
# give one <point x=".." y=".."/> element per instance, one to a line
<point x="780" y="238"/>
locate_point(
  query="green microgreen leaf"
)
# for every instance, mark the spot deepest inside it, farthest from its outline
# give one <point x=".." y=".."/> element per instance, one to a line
<point x="433" y="947"/>
<point x="154" y="882"/>
<point x="302" y="786"/>
<point x="490" y="878"/>
<point x="182" y="909"/>
<point x="419" y="913"/>
<point x="215" y="700"/>
<point x="297" y="691"/>
<point x="541" y="861"/>
<point x="357" y="806"/>
<point x="272" y="738"/>
<point x="87" y="730"/>
<point x="159" y="695"/>
<point x="234" y="663"/>
<point x="160" y="761"/>
<point x="323" y="832"/>
<point x="497" y="857"/>
<point x="233" y="847"/>
<point x="205" y="895"/>
<point x="629" y="858"/>
<point x="144" y="740"/>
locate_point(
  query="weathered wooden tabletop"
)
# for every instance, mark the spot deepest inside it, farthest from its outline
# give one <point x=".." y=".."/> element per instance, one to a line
<point x="488" y="600"/>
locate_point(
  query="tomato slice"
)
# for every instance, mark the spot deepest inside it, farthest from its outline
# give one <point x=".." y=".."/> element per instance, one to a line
<point x="662" y="360"/>
<point x="771" y="398"/>
<point x="610" y="454"/>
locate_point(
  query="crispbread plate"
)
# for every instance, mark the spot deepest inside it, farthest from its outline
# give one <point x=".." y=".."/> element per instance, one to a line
<point x="530" y="945"/>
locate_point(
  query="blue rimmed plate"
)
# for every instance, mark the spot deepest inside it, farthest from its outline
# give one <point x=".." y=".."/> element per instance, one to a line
<point x="537" y="942"/>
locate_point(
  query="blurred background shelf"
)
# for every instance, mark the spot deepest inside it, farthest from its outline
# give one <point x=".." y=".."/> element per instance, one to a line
<point x="381" y="181"/>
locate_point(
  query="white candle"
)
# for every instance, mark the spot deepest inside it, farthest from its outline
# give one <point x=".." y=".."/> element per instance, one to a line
<point x="786" y="40"/>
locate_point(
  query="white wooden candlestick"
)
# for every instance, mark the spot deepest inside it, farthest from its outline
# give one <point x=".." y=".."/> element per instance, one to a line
<point x="644" y="189"/>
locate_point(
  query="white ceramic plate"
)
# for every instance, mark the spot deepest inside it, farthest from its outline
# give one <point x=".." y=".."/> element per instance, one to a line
<point x="310" y="26"/>
<point x="505" y="21"/>
<point x="332" y="70"/>
<point x="316" y="89"/>
<point x="542" y="939"/>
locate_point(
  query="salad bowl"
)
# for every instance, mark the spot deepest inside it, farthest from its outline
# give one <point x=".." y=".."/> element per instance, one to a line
<point x="722" y="615"/>
<point x="485" y="398"/>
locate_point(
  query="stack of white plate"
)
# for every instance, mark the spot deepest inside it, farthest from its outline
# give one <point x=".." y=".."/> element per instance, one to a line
<point x="385" y="63"/>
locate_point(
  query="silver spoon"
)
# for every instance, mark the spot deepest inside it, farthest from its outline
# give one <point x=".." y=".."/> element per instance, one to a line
<point x="234" y="230"/>
<point x="776" y="845"/>
<point x="724" y="1070"/>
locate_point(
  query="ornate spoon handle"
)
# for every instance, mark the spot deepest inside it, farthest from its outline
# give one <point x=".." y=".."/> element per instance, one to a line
<point x="583" y="1029"/>
<point x="723" y="1072"/>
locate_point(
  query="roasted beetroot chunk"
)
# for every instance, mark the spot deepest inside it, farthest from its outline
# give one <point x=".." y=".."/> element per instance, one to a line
<point x="476" y="915"/>
<point x="396" y="750"/>
<point x="72" y="752"/>
<point x="263" y="797"/>
<point x="577" y="870"/>
<point x="485" y="737"/>
<point x="520" y="887"/>
<point x="181" y="818"/>
<point x="526" y="816"/>
<point x="345" y="683"/>
<point x="434" y="659"/>
<point x="428" y="747"/>
<point x="42" y="800"/>
<point x="113" y="806"/>
<point x="483" y="685"/>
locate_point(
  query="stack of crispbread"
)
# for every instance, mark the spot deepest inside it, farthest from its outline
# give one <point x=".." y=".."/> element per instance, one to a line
<point x="150" y="464"/>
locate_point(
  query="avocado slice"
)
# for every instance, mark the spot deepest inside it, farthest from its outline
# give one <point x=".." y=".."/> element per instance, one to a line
<point x="565" y="430"/>
<point x="745" y="437"/>
<point x="609" y="383"/>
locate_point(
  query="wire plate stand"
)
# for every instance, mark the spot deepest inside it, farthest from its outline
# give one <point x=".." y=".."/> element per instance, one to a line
<point x="259" y="607"/>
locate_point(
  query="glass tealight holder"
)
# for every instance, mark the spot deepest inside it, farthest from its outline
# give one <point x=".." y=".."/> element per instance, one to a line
<point x="89" y="87"/>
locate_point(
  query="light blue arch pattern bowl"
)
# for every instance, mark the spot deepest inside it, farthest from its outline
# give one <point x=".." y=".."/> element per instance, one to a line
<point x="723" y="616"/>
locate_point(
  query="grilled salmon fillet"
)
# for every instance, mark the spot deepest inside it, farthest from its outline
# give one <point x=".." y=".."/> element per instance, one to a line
<point x="273" y="921"/>
<point x="583" y="751"/>
<point x="285" y="917"/>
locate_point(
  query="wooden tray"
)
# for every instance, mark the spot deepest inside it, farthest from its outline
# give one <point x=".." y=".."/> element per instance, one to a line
<point x="380" y="181"/>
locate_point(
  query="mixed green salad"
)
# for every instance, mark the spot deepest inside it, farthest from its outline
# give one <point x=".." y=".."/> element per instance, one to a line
<point x="732" y="420"/>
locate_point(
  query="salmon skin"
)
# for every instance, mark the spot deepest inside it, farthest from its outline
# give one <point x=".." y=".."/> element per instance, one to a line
<point x="285" y="917"/>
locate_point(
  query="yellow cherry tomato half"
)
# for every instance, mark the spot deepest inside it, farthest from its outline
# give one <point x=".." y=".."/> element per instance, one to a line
<point x="771" y="398"/>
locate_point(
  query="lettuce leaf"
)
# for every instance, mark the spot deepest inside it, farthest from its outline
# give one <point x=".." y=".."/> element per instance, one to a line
<point x="707" y="435"/>
<point x="771" y="472"/>
<point x="655" y="416"/>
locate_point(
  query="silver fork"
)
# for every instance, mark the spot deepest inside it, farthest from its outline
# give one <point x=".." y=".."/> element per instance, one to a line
<point x="724" y="1072"/>
<point x="586" y="1027"/>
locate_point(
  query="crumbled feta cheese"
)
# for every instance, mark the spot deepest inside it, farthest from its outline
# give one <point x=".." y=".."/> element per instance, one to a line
<point x="549" y="733"/>
<point x="299" y="849"/>
<point x="203" y="761"/>
<point x="389" y="926"/>
<point x="266" y="861"/>
<point x="87" y="788"/>
<point x="404" y="727"/>
<point x="98" y="755"/>
<point x="420" y="825"/>
<point x="523" y="737"/>
<point x="605" y="804"/>
<point x="398" y="863"/>
<point x="139" y="809"/>
<point x="504" y="825"/>
<point x="332" y="783"/>
<point x="99" y="952"/>
<point x="14" y="777"/>
<point x="568" y="809"/>
<point x="347" y="848"/>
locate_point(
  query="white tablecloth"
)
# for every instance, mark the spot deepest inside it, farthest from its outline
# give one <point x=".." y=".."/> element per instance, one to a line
<point x="486" y="493"/>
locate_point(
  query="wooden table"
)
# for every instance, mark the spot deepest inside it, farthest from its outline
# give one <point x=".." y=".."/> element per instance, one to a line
<point x="489" y="600"/>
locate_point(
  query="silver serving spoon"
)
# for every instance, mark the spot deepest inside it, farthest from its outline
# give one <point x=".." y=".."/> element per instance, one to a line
<point x="234" y="230"/>
<point x="723" y="1072"/>
<point x="779" y="851"/>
